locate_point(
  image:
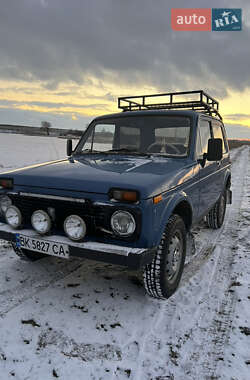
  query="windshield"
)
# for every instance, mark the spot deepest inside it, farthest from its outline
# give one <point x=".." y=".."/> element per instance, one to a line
<point x="159" y="135"/>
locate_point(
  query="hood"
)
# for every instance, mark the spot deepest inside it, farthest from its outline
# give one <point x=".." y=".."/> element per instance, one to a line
<point x="99" y="173"/>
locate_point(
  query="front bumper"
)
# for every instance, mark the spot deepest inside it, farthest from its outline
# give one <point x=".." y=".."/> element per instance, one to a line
<point x="134" y="258"/>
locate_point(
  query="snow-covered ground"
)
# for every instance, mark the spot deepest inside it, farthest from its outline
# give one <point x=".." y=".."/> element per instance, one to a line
<point x="84" y="320"/>
<point x="19" y="150"/>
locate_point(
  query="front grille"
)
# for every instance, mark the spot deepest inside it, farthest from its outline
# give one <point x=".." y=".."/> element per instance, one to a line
<point x="95" y="217"/>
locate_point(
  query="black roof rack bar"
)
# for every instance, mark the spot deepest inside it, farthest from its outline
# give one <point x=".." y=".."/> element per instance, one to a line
<point x="205" y="104"/>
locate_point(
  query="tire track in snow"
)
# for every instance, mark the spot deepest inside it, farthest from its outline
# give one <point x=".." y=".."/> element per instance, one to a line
<point x="214" y="318"/>
<point x="158" y="313"/>
<point x="38" y="276"/>
<point x="219" y="329"/>
<point x="170" y="310"/>
<point x="212" y="236"/>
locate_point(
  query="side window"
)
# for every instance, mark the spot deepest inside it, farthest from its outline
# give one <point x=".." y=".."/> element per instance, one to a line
<point x="101" y="138"/>
<point x="205" y="135"/>
<point x="217" y="132"/>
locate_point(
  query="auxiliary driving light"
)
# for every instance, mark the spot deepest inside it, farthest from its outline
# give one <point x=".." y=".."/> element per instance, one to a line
<point x="75" y="227"/>
<point x="5" y="202"/>
<point x="123" y="223"/>
<point x="13" y="217"/>
<point x="41" y="222"/>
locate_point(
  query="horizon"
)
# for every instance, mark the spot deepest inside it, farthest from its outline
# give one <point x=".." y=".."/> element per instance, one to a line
<point x="242" y="134"/>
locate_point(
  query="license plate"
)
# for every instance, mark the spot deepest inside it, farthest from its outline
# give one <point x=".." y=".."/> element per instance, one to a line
<point x="42" y="246"/>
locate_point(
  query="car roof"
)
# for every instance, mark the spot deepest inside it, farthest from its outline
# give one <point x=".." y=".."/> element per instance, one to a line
<point x="188" y="113"/>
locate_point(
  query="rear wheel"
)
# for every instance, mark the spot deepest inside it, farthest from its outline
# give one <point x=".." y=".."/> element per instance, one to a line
<point x="215" y="217"/>
<point x="26" y="254"/>
<point x="162" y="276"/>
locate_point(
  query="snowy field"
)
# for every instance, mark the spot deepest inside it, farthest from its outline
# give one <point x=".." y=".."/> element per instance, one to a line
<point x="19" y="150"/>
<point x="84" y="320"/>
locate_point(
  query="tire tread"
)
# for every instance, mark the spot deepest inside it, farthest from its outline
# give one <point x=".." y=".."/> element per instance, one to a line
<point x="152" y="272"/>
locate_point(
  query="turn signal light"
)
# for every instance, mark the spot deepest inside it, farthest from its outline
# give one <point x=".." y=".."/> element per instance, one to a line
<point x="6" y="183"/>
<point x="157" y="199"/>
<point x="124" y="195"/>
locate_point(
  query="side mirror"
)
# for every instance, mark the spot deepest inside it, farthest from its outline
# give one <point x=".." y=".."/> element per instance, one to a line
<point x="69" y="147"/>
<point x="214" y="151"/>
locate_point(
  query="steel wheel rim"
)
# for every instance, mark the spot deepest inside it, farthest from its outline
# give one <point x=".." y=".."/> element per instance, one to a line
<point x="174" y="257"/>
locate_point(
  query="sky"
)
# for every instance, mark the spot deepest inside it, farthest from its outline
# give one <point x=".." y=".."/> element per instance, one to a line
<point x="67" y="61"/>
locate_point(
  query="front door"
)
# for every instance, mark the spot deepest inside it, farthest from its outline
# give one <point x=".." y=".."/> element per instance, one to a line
<point x="208" y="180"/>
<point x="222" y="165"/>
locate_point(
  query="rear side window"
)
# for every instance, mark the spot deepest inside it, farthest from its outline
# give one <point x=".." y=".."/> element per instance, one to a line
<point x="218" y="134"/>
<point x="205" y="135"/>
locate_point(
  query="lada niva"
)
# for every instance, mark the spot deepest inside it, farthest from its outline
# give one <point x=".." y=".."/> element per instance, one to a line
<point x="130" y="190"/>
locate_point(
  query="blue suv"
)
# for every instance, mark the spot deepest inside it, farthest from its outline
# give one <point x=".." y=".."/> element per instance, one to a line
<point x="129" y="192"/>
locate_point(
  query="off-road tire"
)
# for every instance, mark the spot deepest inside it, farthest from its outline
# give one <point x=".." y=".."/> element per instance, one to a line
<point x="155" y="278"/>
<point x="215" y="217"/>
<point x="27" y="255"/>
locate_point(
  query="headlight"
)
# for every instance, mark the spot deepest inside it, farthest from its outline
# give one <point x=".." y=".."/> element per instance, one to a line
<point x="75" y="227"/>
<point x="41" y="222"/>
<point x="123" y="223"/>
<point x="5" y="202"/>
<point x="13" y="217"/>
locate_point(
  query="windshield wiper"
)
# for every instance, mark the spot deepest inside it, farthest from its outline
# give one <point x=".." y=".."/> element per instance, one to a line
<point x="120" y="150"/>
<point x="86" y="151"/>
<point x="114" y="151"/>
<point x="130" y="151"/>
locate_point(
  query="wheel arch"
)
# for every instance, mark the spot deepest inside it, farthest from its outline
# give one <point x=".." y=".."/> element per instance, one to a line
<point x="184" y="210"/>
<point x="179" y="205"/>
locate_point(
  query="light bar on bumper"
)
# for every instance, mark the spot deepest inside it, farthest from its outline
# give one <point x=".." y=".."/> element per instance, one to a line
<point x="13" y="217"/>
<point x="5" y="202"/>
<point x="131" y="257"/>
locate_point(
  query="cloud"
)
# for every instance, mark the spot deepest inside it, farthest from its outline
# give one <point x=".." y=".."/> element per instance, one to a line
<point x="238" y="116"/>
<point x="122" y="42"/>
<point x="33" y="118"/>
<point x="53" y="105"/>
<point x="237" y="131"/>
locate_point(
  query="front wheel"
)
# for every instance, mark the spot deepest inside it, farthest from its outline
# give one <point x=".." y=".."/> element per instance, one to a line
<point x="215" y="217"/>
<point x="162" y="276"/>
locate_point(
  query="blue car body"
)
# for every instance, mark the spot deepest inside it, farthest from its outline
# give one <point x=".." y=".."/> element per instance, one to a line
<point x="184" y="184"/>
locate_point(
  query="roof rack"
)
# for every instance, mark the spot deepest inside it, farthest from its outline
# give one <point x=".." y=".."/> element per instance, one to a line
<point x="203" y="102"/>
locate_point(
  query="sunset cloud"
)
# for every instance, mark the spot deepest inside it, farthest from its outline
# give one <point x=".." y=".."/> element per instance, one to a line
<point x="76" y="58"/>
